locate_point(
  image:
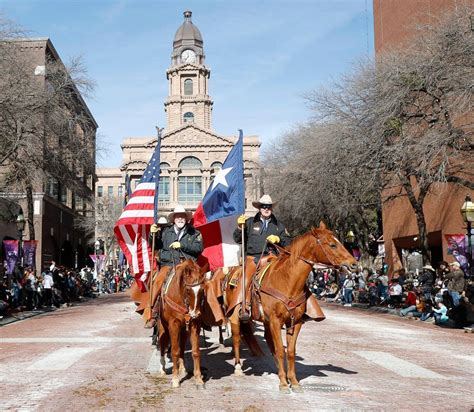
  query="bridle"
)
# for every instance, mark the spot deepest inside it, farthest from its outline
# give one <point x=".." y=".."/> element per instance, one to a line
<point x="309" y="261"/>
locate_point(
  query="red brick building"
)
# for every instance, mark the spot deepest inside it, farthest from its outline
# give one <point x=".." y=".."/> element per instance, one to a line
<point x="394" y="24"/>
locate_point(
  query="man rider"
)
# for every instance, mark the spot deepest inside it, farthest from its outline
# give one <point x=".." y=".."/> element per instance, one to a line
<point x="264" y="229"/>
<point x="181" y="240"/>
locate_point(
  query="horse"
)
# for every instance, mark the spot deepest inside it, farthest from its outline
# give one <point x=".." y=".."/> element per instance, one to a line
<point x="180" y="309"/>
<point x="279" y="297"/>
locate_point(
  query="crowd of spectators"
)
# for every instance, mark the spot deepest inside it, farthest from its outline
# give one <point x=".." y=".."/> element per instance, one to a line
<point x="56" y="287"/>
<point x="442" y="296"/>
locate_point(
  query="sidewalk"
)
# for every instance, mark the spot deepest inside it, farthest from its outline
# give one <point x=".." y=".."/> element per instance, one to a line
<point x="17" y="316"/>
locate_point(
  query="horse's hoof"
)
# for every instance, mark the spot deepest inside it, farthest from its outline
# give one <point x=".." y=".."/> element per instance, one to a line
<point x="175" y="383"/>
<point x="238" y="370"/>
<point x="162" y="372"/>
<point x="284" y="389"/>
<point x="297" y="388"/>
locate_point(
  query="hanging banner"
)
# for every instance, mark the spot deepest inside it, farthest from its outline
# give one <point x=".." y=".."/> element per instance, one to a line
<point x="99" y="263"/>
<point x="29" y="252"/>
<point x="11" y="255"/>
<point x="457" y="246"/>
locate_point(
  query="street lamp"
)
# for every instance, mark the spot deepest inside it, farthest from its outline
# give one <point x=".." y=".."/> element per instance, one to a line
<point x="97" y="249"/>
<point x="467" y="212"/>
<point x="20" y="225"/>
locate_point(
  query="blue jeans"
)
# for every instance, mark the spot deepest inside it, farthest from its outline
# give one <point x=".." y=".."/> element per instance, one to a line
<point x="455" y="296"/>
<point x="406" y="311"/>
<point x="348" y="296"/>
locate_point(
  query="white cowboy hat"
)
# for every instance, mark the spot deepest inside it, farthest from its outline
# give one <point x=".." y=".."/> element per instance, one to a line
<point x="457" y="264"/>
<point x="162" y="221"/>
<point x="180" y="209"/>
<point x="264" y="200"/>
<point x="428" y="267"/>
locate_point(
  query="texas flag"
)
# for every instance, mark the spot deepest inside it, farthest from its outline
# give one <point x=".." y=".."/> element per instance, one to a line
<point x="216" y="215"/>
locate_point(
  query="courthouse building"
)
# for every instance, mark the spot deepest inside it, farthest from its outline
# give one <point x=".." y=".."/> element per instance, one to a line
<point x="191" y="151"/>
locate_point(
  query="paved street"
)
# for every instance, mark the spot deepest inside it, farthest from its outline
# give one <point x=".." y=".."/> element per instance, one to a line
<point x="98" y="356"/>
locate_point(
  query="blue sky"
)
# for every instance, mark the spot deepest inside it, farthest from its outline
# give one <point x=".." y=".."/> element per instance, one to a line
<point x="263" y="55"/>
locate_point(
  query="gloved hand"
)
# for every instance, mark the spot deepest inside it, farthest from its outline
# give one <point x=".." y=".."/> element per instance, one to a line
<point x="175" y="245"/>
<point x="273" y="239"/>
<point x="154" y="228"/>
<point x="241" y="220"/>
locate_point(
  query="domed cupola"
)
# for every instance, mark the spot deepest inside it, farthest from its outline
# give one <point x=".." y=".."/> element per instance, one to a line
<point x="187" y="43"/>
<point x="187" y="33"/>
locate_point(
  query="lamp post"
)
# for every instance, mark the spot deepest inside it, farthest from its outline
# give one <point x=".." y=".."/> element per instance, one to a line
<point x="467" y="212"/>
<point x="97" y="249"/>
<point x="20" y="225"/>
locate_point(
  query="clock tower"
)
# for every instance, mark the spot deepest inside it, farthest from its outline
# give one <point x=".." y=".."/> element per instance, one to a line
<point x="188" y="100"/>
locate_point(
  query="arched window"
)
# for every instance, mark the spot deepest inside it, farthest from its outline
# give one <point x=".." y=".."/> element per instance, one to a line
<point x="188" y="87"/>
<point x="188" y="117"/>
<point x="190" y="162"/>
<point x="164" y="166"/>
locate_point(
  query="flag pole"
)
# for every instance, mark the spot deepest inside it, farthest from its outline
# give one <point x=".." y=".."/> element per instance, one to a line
<point x="244" y="316"/>
<point x="153" y="236"/>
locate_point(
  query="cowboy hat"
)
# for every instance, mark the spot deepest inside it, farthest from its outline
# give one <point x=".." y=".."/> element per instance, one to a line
<point x="162" y="221"/>
<point x="428" y="267"/>
<point x="264" y="200"/>
<point x="180" y="209"/>
<point x="457" y="264"/>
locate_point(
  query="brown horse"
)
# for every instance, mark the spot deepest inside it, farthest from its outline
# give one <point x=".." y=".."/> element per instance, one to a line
<point x="180" y="311"/>
<point x="280" y="297"/>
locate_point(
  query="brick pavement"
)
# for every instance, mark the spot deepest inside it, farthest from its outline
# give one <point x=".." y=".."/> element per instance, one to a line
<point x="97" y="356"/>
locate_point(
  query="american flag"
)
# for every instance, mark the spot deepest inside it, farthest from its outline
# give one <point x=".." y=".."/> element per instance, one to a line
<point x="133" y="226"/>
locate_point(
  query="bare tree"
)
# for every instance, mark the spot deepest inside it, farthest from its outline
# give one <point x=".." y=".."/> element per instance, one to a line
<point x="100" y="224"/>
<point x="407" y="119"/>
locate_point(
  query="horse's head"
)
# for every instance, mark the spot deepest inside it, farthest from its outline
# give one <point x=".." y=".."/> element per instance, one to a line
<point x="191" y="278"/>
<point x="329" y="250"/>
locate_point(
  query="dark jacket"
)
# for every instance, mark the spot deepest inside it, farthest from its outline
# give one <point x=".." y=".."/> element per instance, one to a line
<point x="191" y="245"/>
<point x="255" y="235"/>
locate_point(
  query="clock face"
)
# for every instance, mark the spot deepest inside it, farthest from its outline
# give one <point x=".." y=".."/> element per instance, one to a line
<point x="188" y="56"/>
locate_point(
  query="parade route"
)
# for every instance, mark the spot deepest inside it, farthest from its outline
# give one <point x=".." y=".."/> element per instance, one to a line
<point x="97" y="356"/>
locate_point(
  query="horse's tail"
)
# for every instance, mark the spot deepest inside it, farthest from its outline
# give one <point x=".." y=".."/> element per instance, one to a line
<point x="247" y="330"/>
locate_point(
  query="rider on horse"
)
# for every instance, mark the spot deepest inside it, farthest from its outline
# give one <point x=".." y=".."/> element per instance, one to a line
<point x="262" y="229"/>
<point x="181" y="240"/>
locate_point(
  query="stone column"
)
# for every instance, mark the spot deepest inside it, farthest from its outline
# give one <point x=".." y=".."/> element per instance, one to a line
<point x="173" y="185"/>
<point x="206" y="180"/>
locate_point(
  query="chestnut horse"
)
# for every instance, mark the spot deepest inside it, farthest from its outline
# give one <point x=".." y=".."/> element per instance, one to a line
<point x="280" y="297"/>
<point x="180" y="311"/>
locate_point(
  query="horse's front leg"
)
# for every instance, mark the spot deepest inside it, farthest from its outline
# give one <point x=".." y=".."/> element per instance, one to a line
<point x="275" y="328"/>
<point x="195" y="329"/>
<point x="183" y="337"/>
<point x="175" y="352"/>
<point x="291" y="353"/>
<point x="235" y="329"/>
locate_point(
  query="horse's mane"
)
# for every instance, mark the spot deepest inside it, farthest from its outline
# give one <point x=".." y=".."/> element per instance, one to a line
<point x="297" y="246"/>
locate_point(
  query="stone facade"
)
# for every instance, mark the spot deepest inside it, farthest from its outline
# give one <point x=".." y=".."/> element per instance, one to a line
<point x="191" y="152"/>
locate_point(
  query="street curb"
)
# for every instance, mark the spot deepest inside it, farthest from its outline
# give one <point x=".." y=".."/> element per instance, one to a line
<point x="375" y="309"/>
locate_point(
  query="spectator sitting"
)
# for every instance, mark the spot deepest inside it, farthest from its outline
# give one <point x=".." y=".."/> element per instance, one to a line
<point x="426" y="281"/>
<point x="396" y="294"/>
<point x="410" y="302"/>
<point x="441" y="314"/>
<point x="332" y="293"/>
